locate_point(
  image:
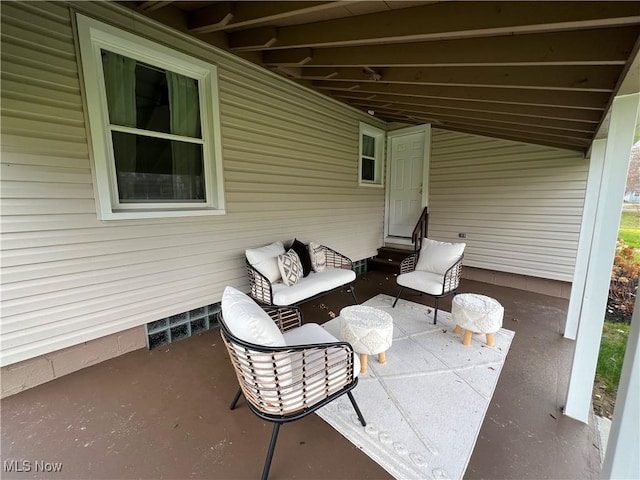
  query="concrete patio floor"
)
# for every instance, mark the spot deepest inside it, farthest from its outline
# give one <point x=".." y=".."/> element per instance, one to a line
<point x="163" y="414"/>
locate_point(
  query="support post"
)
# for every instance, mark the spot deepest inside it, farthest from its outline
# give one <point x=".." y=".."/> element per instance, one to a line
<point x="585" y="242"/>
<point x="621" y="460"/>
<point x="624" y="114"/>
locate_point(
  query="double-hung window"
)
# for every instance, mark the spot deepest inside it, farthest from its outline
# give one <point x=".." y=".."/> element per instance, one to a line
<point x="371" y="156"/>
<point x="155" y="127"/>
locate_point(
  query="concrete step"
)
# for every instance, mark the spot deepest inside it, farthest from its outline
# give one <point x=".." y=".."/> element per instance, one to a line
<point x="394" y="253"/>
<point x="388" y="259"/>
<point x="382" y="265"/>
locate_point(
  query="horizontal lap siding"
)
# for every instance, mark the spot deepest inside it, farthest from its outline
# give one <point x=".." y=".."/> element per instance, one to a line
<point x="519" y="204"/>
<point x="290" y="170"/>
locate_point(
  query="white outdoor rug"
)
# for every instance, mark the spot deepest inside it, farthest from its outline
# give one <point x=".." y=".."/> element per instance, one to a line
<point x="424" y="407"/>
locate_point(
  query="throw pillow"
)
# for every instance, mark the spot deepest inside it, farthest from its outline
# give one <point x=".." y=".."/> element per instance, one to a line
<point x="303" y="254"/>
<point x="438" y="256"/>
<point x="265" y="260"/>
<point x="290" y="267"/>
<point x="318" y="257"/>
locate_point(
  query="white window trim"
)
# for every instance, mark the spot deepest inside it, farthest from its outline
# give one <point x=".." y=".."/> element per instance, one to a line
<point x="379" y="135"/>
<point x="94" y="35"/>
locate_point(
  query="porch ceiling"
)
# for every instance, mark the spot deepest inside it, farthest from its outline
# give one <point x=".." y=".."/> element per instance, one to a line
<point x="538" y="72"/>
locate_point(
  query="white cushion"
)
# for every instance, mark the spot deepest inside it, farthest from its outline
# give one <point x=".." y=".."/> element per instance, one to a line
<point x="290" y="267"/>
<point x="265" y="260"/>
<point x="426" y="282"/>
<point x="313" y="284"/>
<point x="438" y="256"/>
<point x="248" y="321"/>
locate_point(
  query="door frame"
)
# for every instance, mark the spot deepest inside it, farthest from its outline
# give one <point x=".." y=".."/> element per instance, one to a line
<point x="426" y="129"/>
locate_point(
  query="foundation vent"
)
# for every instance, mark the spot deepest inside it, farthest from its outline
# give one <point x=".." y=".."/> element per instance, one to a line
<point x="360" y="267"/>
<point x="180" y="326"/>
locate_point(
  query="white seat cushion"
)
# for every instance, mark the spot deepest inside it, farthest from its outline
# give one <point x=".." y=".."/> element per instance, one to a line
<point x="426" y="282"/>
<point x="265" y="260"/>
<point x="438" y="256"/>
<point x="313" y="284"/>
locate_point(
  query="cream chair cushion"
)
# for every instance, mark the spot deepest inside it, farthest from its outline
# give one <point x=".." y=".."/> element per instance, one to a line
<point x="265" y="260"/>
<point x="438" y="256"/>
<point x="427" y="282"/>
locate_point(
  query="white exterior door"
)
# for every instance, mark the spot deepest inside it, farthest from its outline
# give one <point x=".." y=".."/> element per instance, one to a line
<point x="406" y="173"/>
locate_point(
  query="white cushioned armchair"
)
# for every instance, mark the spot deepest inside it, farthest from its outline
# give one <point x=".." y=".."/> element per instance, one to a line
<point x="434" y="271"/>
<point x="285" y="370"/>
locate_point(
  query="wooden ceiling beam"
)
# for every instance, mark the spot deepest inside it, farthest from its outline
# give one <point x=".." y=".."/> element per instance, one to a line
<point x="513" y="136"/>
<point x="262" y="37"/>
<point x="607" y="46"/>
<point x="211" y="18"/>
<point x="515" y="130"/>
<point x="523" y="136"/>
<point x="543" y="125"/>
<point x="479" y="129"/>
<point x="543" y="116"/>
<point x="569" y="99"/>
<point x="454" y="20"/>
<point x="564" y="115"/>
<point x="587" y="78"/>
<point x="247" y="14"/>
<point x="152" y="5"/>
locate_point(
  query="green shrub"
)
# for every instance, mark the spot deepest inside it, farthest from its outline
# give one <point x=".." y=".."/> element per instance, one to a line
<point x="624" y="284"/>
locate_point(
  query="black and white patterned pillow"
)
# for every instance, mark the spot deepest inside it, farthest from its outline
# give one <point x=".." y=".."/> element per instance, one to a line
<point x="318" y="257"/>
<point x="290" y="267"/>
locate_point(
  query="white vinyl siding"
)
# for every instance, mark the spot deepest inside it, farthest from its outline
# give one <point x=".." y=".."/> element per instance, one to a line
<point x="289" y="161"/>
<point x="520" y="205"/>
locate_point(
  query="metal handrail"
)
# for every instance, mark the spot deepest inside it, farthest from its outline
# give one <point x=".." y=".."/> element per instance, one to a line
<point x="421" y="229"/>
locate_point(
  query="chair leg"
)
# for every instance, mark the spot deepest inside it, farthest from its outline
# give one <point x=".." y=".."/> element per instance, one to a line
<point x="235" y="399"/>
<point x="435" y="315"/>
<point x="397" y="297"/>
<point x="272" y="447"/>
<point x="353" y="292"/>
<point x="357" y="409"/>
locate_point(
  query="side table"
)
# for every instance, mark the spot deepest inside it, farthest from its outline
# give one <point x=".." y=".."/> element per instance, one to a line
<point x="369" y="330"/>
<point x="476" y="313"/>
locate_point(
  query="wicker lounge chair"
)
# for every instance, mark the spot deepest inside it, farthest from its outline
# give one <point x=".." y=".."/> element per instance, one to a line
<point x="286" y="370"/>
<point x="434" y="271"/>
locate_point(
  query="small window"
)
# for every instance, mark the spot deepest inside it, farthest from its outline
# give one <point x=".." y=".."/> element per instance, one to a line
<point x="371" y="155"/>
<point x="155" y="126"/>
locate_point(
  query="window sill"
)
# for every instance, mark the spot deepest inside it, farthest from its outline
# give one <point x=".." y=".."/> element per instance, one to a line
<point x="136" y="214"/>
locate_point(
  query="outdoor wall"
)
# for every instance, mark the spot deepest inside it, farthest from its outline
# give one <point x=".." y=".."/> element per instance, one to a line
<point x="520" y="205"/>
<point x="290" y="170"/>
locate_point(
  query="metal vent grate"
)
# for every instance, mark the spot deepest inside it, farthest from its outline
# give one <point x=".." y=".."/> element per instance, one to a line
<point x="180" y="326"/>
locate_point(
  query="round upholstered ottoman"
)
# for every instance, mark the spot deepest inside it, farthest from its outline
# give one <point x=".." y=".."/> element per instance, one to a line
<point x="475" y="313"/>
<point x="369" y="331"/>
